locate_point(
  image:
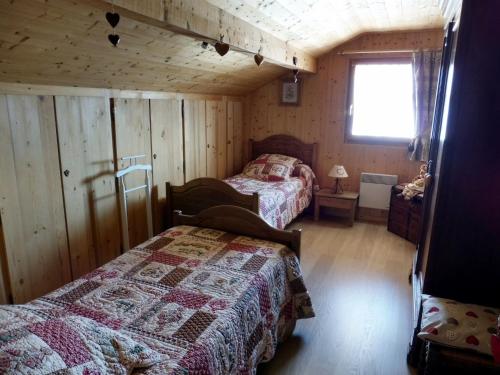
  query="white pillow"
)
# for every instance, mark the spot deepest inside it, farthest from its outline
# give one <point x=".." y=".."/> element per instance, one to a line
<point x="458" y="325"/>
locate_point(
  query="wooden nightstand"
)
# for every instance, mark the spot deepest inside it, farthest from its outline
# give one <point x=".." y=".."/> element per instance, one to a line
<point x="347" y="201"/>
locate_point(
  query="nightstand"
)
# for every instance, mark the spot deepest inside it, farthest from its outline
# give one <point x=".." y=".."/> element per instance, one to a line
<point x="346" y="201"/>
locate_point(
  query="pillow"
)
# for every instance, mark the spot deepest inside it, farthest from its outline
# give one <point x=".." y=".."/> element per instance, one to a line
<point x="458" y="325"/>
<point x="74" y="345"/>
<point x="306" y="173"/>
<point x="271" y="167"/>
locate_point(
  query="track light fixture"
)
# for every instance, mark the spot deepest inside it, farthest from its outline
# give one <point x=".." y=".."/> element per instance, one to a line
<point x="221" y="47"/>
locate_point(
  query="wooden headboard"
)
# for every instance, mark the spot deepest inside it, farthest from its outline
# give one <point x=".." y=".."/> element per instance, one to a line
<point x="285" y="145"/>
<point x="241" y="221"/>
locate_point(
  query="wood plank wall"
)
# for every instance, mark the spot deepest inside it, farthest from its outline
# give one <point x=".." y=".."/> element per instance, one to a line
<point x="321" y="114"/>
<point x="58" y="203"/>
<point x="31" y="196"/>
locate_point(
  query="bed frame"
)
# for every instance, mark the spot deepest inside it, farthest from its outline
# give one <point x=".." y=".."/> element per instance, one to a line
<point x="241" y="221"/>
<point x="285" y="145"/>
<point x="201" y="193"/>
<point x="205" y="192"/>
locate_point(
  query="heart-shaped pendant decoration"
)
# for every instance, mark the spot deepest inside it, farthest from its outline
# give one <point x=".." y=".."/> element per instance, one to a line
<point x="258" y="58"/>
<point x="114" y="39"/>
<point x="113" y="18"/>
<point x="221" y="48"/>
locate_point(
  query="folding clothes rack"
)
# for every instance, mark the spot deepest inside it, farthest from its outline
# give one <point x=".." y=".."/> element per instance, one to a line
<point x="123" y="191"/>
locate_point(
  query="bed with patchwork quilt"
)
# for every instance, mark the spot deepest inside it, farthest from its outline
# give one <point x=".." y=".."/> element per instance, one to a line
<point x="191" y="300"/>
<point x="277" y="183"/>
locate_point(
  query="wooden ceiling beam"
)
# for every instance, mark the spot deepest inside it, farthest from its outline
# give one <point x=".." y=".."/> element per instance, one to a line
<point x="205" y="22"/>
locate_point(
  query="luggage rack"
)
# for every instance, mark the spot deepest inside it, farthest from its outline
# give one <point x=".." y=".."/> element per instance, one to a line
<point x="123" y="191"/>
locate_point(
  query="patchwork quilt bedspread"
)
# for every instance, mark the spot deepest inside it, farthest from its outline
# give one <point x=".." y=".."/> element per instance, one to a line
<point x="279" y="202"/>
<point x="189" y="301"/>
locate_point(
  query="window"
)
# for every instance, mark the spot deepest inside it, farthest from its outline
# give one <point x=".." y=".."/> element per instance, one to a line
<point x="380" y="105"/>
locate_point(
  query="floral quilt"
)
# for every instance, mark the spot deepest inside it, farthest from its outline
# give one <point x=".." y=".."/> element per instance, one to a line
<point x="189" y="301"/>
<point x="279" y="202"/>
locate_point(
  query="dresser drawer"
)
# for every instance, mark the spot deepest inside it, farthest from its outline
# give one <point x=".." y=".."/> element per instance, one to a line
<point x="397" y="228"/>
<point x="399" y="216"/>
<point x="399" y="203"/>
<point x="336" y="202"/>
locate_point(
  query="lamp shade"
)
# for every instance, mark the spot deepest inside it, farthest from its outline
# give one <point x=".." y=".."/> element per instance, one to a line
<point x="338" y="171"/>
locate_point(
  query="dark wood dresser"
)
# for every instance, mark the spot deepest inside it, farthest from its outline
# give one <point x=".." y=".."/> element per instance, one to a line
<point x="405" y="216"/>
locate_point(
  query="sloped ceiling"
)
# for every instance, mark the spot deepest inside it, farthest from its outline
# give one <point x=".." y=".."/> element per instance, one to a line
<point x="316" y="26"/>
<point x="64" y="42"/>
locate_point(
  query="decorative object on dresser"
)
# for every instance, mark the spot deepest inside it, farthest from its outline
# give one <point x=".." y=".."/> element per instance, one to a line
<point x="405" y="215"/>
<point x="338" y="172"/>
<point x="347" y="201"/>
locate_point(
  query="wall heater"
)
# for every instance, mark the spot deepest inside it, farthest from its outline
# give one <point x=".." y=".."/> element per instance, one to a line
<point x="375" y="190"/>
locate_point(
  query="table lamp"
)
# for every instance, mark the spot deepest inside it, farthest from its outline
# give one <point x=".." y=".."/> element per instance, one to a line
<point x="338" y="172"/>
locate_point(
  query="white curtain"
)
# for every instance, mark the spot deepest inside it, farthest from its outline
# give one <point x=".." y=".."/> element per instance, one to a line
<point x="425" y="76"/>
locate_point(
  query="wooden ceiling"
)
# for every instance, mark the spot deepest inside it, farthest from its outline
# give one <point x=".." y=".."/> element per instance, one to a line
<point x="64" y="42"/>
<point x="316" y="26"/>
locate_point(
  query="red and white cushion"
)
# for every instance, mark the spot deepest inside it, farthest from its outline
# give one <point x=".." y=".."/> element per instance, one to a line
<point x="271" y="167"/>
<point x="459" y="325"/>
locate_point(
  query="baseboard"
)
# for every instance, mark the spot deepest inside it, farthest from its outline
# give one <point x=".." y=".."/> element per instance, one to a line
<point x="375" y="215"/>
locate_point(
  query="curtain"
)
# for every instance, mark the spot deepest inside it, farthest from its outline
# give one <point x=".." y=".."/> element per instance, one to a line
<point x="426" y="66"/>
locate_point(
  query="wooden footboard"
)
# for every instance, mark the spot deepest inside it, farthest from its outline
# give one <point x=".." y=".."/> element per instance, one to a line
<point x="201" y="193"/>
<point x="241" y="221"/>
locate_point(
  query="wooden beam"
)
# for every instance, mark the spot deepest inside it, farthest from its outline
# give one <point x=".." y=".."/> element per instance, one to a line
<point x="203" y="21"/>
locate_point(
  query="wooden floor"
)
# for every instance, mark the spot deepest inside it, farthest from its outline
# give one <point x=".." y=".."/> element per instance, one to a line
<point x="358" y="280"/>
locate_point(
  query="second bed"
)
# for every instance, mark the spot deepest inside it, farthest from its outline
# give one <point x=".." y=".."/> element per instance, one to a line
<point x="278" y="201"/>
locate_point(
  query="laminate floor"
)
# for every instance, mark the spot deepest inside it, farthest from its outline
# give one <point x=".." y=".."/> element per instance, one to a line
<point x="358" y="280"/>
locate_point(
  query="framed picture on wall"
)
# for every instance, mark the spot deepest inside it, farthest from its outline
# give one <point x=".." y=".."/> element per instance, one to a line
<point x="290" y="92"/>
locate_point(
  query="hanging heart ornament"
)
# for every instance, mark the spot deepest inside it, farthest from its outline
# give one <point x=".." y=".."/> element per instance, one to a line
<point x="114" y="39"/>
<point x="221" y="48"/>
<point x="258" y="58"/>
<point x="113" y="18"/>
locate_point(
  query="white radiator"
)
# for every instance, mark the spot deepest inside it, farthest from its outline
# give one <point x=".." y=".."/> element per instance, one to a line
<point x="375" y="190"/>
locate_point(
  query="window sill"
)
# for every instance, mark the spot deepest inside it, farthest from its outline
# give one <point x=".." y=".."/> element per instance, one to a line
<point x="378" y="141"/>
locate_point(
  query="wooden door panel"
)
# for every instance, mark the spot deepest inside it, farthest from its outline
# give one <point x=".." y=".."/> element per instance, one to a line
<point x="86" y="148"/>
<point x="31" y="202"/>
<point x="133" y="137"/>
<point x="168" y="153"/>
<point x="195" y="139"/>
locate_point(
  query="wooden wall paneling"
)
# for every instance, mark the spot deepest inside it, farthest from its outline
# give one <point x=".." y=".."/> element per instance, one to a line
<point x="133" y="137"/>
<point x="168" y="153"/>
<point x="230" y="139"/>
<point x="86" y="149"/>
<point x="4" y="271"/>
<point x="211" y="132"/>
<point x="320" y="116"/>
<point x="195" y="139"/>
<point x="222" y="139"/>
<point x="237" y="136"/>
<point x="31" y="201"/>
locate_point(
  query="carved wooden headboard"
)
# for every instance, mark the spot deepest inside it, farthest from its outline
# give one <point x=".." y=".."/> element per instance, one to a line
<point x="285" y="145"/>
